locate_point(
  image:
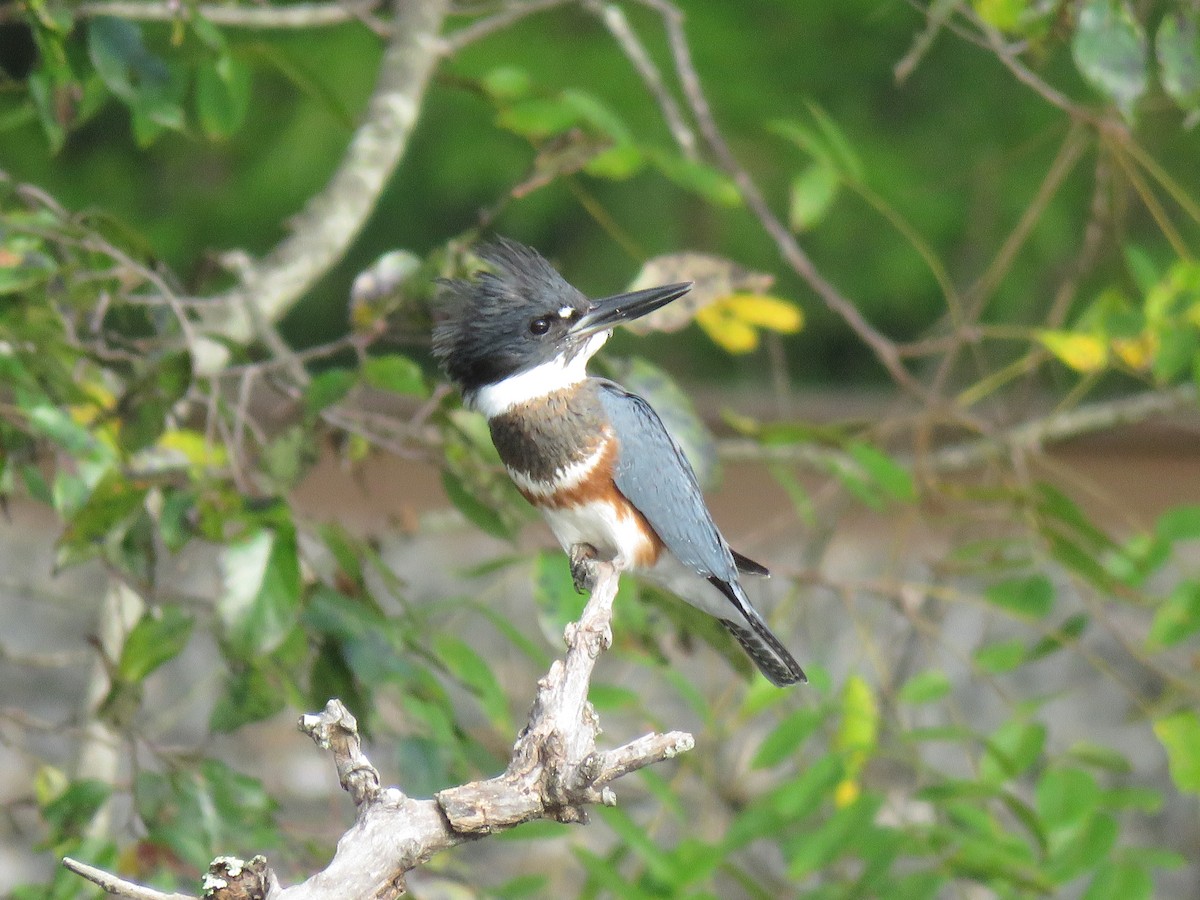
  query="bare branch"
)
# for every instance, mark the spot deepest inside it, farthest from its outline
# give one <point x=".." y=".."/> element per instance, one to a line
<point x="336" y="730"/>
<point x="618" y="26"/>
<point x="555" y="771"/>
<point x="118" y="887"/>
<point x="300" y="15"/>
<point x="333" y="218"/>
<point x="1024" y="437"/>
<point x="510" y="14"/>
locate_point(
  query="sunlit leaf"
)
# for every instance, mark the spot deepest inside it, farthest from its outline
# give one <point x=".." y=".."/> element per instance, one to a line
<point x="1178" y="616"/>
<point x="1086" y="353"/>
<point x="1179" y="734"/>
<point x="260" y="597"/>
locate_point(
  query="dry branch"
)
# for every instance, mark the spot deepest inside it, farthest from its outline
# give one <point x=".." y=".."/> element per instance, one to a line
<point x="554" y="773"/>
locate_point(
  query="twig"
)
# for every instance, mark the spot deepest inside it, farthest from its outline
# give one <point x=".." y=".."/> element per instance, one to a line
<point x="333" y="218"/>
<point x="1027" y="436"/>
<point x="300" y="15"/>
<point x="618" y="26"/>
<point x="509" y="15"/>
<point x="118" y="887"/>
<point x="884" y="349"/>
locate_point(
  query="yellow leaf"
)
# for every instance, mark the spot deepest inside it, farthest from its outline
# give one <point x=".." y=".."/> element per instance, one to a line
<point x="732" y="334"/>
<point x="859" y="729"/>
<point x="846" y="793"/>
<point x="1085" y="353"/>
<point x="199" y="452"/>
<point x="764" y="311"/>
<point x="1138" y="352"/>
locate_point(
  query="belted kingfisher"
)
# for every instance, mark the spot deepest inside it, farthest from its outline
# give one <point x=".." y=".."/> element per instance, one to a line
<point x="594" y="458"/>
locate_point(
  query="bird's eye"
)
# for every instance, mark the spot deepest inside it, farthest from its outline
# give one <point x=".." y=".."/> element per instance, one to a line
<point x="539" y="326"/>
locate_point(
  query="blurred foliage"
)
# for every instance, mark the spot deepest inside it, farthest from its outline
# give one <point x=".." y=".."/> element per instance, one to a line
<point x="133" y="151"/>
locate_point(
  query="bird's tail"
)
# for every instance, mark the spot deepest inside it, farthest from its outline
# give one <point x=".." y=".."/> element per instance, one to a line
<point x="760" y="644"/>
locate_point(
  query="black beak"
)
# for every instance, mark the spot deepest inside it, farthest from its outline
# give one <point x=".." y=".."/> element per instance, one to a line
<point x="612" y="311"/>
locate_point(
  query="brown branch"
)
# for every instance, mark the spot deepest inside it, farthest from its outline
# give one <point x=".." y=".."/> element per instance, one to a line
<point x="554" y="773"/>
<point x="331" y="220"/>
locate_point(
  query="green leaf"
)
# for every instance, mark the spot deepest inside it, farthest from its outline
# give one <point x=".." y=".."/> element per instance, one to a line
<point x="473" y="508"/>
<point x="70" y="812"/>
<point x="222" y="95"/>
<point x="1178" y="616"/>
<point x="395" y="373"/>
<point x="784" y="740"/>
<point x="1066" y="633"/>
<point x="1179" y="733"/>
<point x="1109" y="47"/>
<point x="1179" y="523"/>
<point x="506" y="83"/>
<point x="811" y="196"/>
<point x="327" y="389"/>
<point x="466" y="665"/>
<point x="247" y="696"/>
<point x="925" y="687"/>
<point x="538" y="118"/>
<point x="159" y="636"/>
<point x="1001" y="656"/>
<point x="260" y="598"/>
<point x="707" y="182"/>
<point x="1011" y="750"/>
<point x="198" y="812"/>
<point x="895" y="480"/>
<point x="1031" y="596"/>
<point x="120" y="57"/>
<point x="1178" y="49"/>
<point x="1066" y="796"/>
<point x="1120" y="881"/>
<point x="836" y="834"/>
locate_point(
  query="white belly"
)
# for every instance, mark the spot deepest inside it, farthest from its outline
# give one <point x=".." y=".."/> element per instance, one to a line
<point x="615" y="536"/>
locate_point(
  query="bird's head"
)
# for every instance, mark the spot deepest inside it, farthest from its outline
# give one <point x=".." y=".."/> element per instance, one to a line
<point x="521" y="316"/>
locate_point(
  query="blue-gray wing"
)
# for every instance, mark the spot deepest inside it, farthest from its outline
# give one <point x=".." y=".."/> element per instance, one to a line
<point x="653" y="473"/>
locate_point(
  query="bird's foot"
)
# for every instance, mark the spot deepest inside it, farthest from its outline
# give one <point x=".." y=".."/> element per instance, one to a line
<point x="583" y="567"/>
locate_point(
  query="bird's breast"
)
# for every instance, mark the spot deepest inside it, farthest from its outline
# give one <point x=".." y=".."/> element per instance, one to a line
<point x="559" y="451"/>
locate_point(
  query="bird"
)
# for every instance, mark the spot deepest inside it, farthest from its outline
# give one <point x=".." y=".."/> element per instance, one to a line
<point x="592" y="457"/>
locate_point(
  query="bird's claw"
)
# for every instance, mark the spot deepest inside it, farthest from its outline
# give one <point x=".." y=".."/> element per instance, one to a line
<point x="583" y="569"/>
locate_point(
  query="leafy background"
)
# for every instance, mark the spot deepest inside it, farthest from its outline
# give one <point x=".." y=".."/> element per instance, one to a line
<point x="1003" y="659"/>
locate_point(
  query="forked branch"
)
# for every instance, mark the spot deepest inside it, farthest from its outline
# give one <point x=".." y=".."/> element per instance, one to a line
<point x="555" y="772"/>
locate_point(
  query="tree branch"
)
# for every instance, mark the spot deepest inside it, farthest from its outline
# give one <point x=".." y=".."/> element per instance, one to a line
<point x="331" y="220"/>
<point x="554" y="773"/>
<point x="300" y="15"/>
